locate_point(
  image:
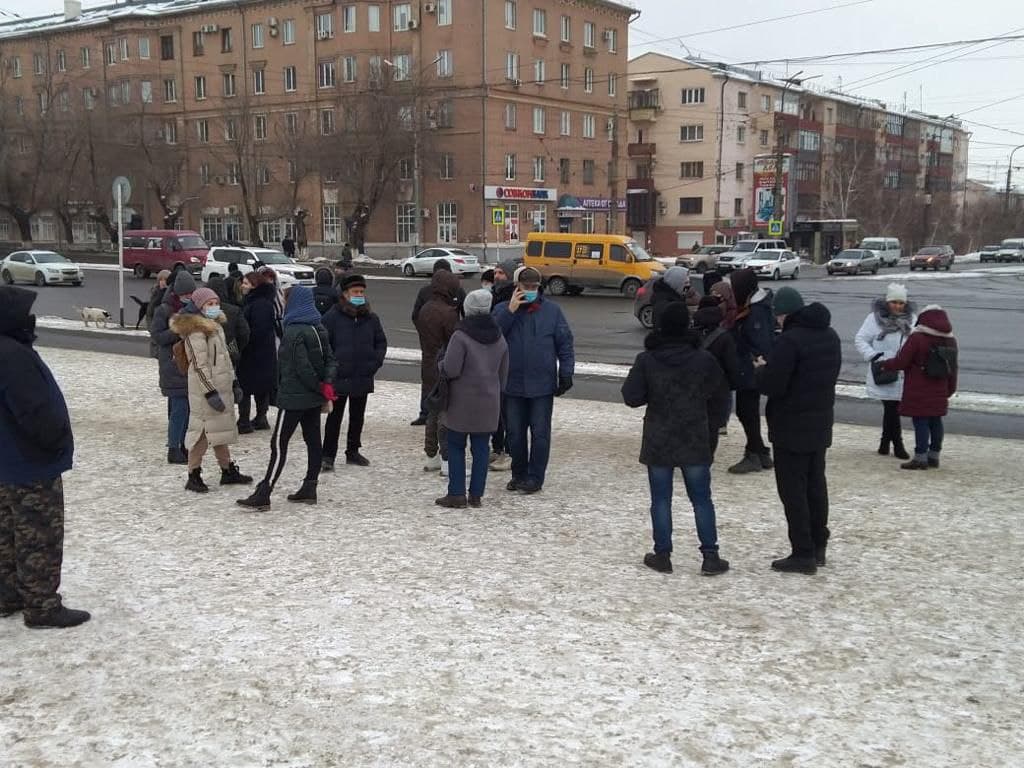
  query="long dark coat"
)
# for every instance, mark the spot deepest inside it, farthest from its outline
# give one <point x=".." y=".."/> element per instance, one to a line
<point x="257" y="370"/>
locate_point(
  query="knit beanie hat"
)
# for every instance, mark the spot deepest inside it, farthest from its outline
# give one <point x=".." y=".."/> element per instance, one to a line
<point x="708" y="316"/>
<point x="163" y="274"/>
<point x="674" y="320"/>
<point x="787" y="301"/>
<point x="744" y="285"/>
<point x="508" y="267"/>
<point x="896" y="292"/>
<point x="353" y="280"/>
<point x="477" y="302"/>
<point x="202" y="295"/>
<point x="526" y="275"/>
<point x="487" y="276"/>
<point x="677" y="278"/>
<point x="184" y="283"/>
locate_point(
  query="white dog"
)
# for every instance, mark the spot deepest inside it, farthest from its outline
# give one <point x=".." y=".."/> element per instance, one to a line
<point x="95" y="315"/>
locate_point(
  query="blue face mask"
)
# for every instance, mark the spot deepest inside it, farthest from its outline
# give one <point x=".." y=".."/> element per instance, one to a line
<point x="357" y="301"/>
<point x="211" y="312"/>
<point x="529" y="296"/>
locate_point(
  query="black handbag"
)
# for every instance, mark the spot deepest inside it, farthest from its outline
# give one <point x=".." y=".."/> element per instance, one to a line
<point x="881" y="376"/>
<point x="437" y="399"/>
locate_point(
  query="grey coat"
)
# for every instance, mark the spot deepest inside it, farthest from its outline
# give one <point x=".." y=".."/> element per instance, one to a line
<point x="476" y="365"/>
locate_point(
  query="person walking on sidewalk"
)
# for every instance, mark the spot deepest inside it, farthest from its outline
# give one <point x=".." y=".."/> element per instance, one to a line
<point x="36" y="448"/>
<point x="754" y="331"/>
<point x="257" y="368"/>
<point x="435" y="324"/>
<point x="930" y="362"/>
<point x="799" y="380"/>
<point x="359" y="347"/>
<point x="881" y="336"/>
<point x="475" y="364"/>
<point x="211" y="389"/>
<point x="678" y="382"/>
<point x="173" y="383"/>
<point x="707" y="323"/>
<point x="541" y="366"/>
<point x="305" y="373"/>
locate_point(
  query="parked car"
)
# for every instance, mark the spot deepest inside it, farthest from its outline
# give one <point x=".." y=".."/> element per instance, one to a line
<point x="988" y="253"/>
<point x="744" y="250"/>
<point x="887" y="249"/>
<point x="853" y="261"/>
<point x="147" y="251"/>
<point x="219" y="259"/>
<point x="1011" y="250"/>
<point x="462" y="262"/>
<point x="706" y="258"/>
<point x="570" y="262"/>
<point x="933" y="257"/>
<point x="775" y="264"/>
<point x="41" y="268"/>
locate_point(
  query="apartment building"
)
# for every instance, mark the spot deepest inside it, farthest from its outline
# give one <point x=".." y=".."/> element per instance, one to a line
<point x="273" y="117"/>
<point x="706" y="138"/>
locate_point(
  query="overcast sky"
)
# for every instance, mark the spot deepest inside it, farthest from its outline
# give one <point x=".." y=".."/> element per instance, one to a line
<point x="980" y="74"/>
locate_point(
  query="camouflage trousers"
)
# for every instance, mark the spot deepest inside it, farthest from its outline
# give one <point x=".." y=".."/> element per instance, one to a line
<point x="31" y="544"/>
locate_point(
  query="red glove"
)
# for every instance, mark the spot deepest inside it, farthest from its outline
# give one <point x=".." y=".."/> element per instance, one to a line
<point x="327" y="390"/>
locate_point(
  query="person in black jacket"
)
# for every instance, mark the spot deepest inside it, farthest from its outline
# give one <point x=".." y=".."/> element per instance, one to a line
<point x="799" y="380"/>
<point x="707" y="322"/>
<point x="424" y="295"/>
<point x="236" y="327"/>
<point x="504" y="285"/>
<point x="36" y="448"/>
<point x="257" y="368"/>
<point x="360" y="346"/>
<point x="677" y="381"/>
<point x="325" y="295"/>
<point x="173" y="384"/>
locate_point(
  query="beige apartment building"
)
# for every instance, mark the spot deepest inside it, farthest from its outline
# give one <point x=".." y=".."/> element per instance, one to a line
<point x="705" y="139"/>
<point x="453" y="121"/>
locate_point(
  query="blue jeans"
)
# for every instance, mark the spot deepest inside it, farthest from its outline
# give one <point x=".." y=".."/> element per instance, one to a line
<point x="529" y="459"/>
<point x="177" y="420"/>
<point x="928" y="434"/>
<point x="698" y="487"/>
<point x="480" y="448"/>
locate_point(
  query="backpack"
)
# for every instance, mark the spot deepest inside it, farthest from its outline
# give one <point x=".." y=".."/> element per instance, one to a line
<point x="180" y="357"/>
<point x="941" y="361"/>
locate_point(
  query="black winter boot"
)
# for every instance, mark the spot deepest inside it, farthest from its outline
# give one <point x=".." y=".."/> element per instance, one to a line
<point x="245" y="427"/>
<point x="766" y="459"/>
<point x="231" y="476"/>
<point x="662" y="563"/>
<point x="713" y="564"/>
<point x="260" y="422"/>
<point x="899" y="451"/>
<point x="933" y="459"/>
<point x="751" y="462"/>
<point x="794" y="564"/>
<point x="452" y="502"/>
<point x="918" y="462"/>
<point x="819" y="556"/>
<point x="327" y="464"/>
<point x="356" y="458"/>
<point x="306" y="494"/>
<point x="883" y="447"/>
<point x="176" y="456"/>
<point x="58" y="618"/>
<point x="260" y="499"/>
<point x="195" y="481"/>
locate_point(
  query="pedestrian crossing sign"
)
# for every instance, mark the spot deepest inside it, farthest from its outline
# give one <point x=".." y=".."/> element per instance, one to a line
<point x="775" y="228"/>
<point x="497" y="216"/>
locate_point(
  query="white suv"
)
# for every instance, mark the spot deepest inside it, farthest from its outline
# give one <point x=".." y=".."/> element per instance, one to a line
<point x="1011" y="250"/>
<point x="887" y="249"/>
<point x="220" y="257"/>
<point x="744" y="250"/>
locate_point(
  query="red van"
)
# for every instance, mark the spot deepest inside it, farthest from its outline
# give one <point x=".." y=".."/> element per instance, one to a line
<point x="147" y="251"/>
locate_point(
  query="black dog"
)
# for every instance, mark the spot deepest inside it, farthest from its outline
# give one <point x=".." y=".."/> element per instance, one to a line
<point x="143" y="306"/>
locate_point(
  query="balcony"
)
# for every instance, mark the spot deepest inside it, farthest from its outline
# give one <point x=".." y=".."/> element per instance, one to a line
<point x="642" y="150"/>
<point x="644" y="106"/>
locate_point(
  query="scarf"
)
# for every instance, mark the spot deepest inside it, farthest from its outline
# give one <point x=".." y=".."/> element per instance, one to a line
<point x="891" y="323"/>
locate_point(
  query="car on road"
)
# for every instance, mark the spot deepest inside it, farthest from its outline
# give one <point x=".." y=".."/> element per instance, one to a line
<point x="571" y="262"/>
<point x="853" y="261"/>
<point x="744" y="250"/>
<point x="219" y="259"/>
<point x="1011" y="250"/>
<point x="147" y="251"/>
<point x="704" y="259"/>
<point x="887" y="249"/>
<point x="462" y="262"/>
<point x="988" y="253"/>
<point x="41" y="268"/>
<point x="933" y="257"/>
<point x="775" y="264"/>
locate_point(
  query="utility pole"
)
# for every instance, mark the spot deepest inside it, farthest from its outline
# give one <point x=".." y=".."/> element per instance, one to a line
<point x="612" y="220"/>
<point x="1009" y="179"/>
<point x="779" y="144"/>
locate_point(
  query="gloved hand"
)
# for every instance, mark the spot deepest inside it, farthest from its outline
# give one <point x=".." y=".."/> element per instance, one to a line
<point x="327" y="390"/>
<point x="214" y="399"/>
<point x="236" y="391"/>
<point x="564" y="385"/>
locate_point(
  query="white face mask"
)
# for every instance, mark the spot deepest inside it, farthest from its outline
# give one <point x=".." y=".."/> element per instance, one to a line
<point x="485" y="285"/>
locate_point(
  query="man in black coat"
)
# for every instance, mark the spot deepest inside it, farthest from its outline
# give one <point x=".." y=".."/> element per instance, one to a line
<point x="799" y="380"/>
<point x="676" y="380"/>
<point x="360" y="346"/>
<point x="424" y="295"/>
<point x="36" y="448"/>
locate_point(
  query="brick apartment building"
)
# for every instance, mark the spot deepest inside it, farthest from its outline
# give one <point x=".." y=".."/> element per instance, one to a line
<point x="705" y="138"/>
<point x="240" y="112"/>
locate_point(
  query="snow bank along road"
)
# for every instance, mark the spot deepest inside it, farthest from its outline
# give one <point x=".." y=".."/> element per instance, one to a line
<point x="377" y="629"/>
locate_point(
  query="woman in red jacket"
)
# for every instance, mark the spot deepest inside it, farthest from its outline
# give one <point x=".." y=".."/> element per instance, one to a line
<point x="930" y="381"/>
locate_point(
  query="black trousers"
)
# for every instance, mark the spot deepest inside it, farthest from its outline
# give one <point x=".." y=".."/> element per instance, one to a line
<point x="356" y="419"/>
<point x="803" y="490"/>
<point x="245" y="406"/>
<point x="498" y="438"/>
<point x="748" y="411"/>
<point x="284" y="428"/>
<point x="892" y="429"/>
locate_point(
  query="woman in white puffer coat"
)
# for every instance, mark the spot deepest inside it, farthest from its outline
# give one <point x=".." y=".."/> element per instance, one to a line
<point x="880" y="337"/>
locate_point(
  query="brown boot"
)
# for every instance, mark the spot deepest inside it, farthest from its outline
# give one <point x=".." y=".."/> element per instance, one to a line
<point x="452" y="502"/>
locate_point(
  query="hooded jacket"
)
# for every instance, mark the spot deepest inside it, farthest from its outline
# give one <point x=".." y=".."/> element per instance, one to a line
<point x="257" y="368"/>
<point x="427" y="291"/>
<point x="923" y="396"/>
<point x="540" y="347"/>
<point x="754" y="331"/>
<point x="236" y="328"/>
<point x="359" y="346"/>
<point x="209" y="370"/>
<point x="172" y="382"/>
<point x="36" y="444"/>
<point x="305" y="362"/>
<point x="800" y="381"/>
<point x="325" y="295"/>
<point x="476" y="366"/>
<point x="436" y="322"/>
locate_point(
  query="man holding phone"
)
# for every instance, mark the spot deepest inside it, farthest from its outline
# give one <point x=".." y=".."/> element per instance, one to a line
<point x="541" y="365"/>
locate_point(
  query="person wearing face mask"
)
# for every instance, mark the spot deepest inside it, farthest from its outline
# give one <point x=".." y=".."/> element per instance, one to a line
<point x="359" y="347"/>
<point x="541" y="366"/>
<point x="212" y="389"/>
<point x="36" y="448"/>
<point x="173" y="383"/>
<point x="487" y="279"/>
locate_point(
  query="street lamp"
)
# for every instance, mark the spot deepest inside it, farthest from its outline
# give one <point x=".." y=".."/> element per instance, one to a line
<point x="776" y="191"/>
<point x="1009" y="178"/>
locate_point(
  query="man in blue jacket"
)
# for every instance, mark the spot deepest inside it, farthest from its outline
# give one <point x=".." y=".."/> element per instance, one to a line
<point x="541" y="365"/>
<point x="36" y="448"/>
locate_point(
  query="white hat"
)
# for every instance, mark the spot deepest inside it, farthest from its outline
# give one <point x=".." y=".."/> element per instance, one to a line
<point x="896" y="292"/>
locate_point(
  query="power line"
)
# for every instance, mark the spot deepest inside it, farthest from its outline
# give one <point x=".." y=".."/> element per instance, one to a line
<point x="991" y="104"/>
<point x="899" y="49"/>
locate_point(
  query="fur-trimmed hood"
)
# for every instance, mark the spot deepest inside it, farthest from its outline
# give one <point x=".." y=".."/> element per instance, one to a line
<point x="185" y="324"/>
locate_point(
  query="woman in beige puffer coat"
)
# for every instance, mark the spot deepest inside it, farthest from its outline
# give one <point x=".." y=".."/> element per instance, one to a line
<point x="211" y="389"/>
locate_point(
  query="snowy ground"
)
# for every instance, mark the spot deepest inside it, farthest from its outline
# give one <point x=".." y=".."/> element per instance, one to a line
<point x="377" y="629"/>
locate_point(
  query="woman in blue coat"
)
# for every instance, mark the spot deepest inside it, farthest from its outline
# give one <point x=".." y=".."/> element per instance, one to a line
<point x="257" y="368"/>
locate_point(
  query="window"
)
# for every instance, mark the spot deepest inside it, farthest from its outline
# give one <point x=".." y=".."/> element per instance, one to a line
<point x="171" y="131"/>
<point x="445" y="113"/>
<point x="122" y="46"/>
<point x="401" y="16"/>
<point x="512" y="66"/>
<point x="19" y="104"/>
<point x="229" y="84"/>
<point x="376" y="71"/>
<point x="257" y="36"/>
<point x="326" y="77"/>
<point x="737" y="206"/>
<point x="16" y="65"/>
<point x="230" y="129"/>
<point x="447" y="165"/>
<point x="64" y="100"/>
<point x="402" y="66"/>
<point x="290" y="79"/>
<point x="405" y="169"/>
<point x="373" y="18"/>
<point x="447" y="223"/>
<point x="109" y="54"/>
<point x="741" y="134"/>
<point x="564" y="77"/>
<point x="806" y="171"/>
<point x="226" y="43"/>
<point x="259" y="81"/>
<point x="288" y="32"/>
<point x="203" y="131"/>
<point x="587" y="223"/>
<point x="538" y="71"/>
<point x="691" y="205"/>
<point x="766" y="103"/>
<point x="510" y="14"/>
<point x="609" y="129"/>
<point x="62" y="61"/>
<point x="445" y="64"/>
<point x="86" y="60"/>
<point x="166" y="47"/>
<point x="170" y="90"/>
<point x="563" y="170"/>
<point x="538" y="168"/>
<point x="38" y="63"/>
<point x="539" y="119"/>
<point x="405" y="220"/>
<point x="540" y="219"/>
<point x="198" y="44"/>
<point x="259" y="127"/>
<point x="565" y="123"/>
<point x="589" y="127"/>
<point x="612" y="37"/>
<point x="691" y="133"/>
<point x="326" y="122"/>
<point x="691" y="170"/>
<point x="291" y="123"/>
<point x="739" y="171"/>
<point x="234" y="174"/>
<point x="510" y="117"/>
<point x="588" y="80"/>
<point x="693" y="96"/>
<point x="540" y="22"/>
<point x="204" y="174"/>
<point x="444" y="13"/>
<point x="200" y="82"/>
<point x="741" y="100"/>
<point x="613" y="84"/>
<point x="588" y="171"/>
<point x="510" y="167"/>
<point x="589" y="35"/>
<point x="566" y="29"/>
<point x="146" y="89"/>
<point x="332" y="223"/>
<point x="126" y="91"/>
<point x="348" y="19"/>
<point x="88" y="98"/>
<point x="262" y="175"/>
<point x="810" y="141"/>
<point x="348" y="69"/>
<point x="764" y="138"/>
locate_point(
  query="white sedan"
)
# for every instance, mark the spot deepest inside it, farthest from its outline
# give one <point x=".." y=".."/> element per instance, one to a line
<point x="221" y="257"/>
<point x="775" y="264"/>
<point x="462" y="262"/>
<point x="41" y="268"/>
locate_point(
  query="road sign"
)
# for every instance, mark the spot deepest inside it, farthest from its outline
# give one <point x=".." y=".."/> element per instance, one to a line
<point x="126" y="189"/>
<point x="775" y="228"/>
<point x="497" y="216"/>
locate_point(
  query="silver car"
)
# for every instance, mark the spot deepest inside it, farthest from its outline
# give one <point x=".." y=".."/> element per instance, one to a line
<point x="41" y="268"/>
<point x="853" y="261"/>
